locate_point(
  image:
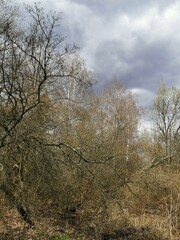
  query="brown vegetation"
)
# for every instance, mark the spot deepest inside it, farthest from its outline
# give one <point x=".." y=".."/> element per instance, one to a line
<point x="73" y="165"/>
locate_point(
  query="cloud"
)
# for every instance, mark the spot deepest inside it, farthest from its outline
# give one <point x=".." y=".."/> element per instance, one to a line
<point x="145" y="126"/>
<point x="145" y="51"/>
<point x="144" y="97"/>
<point x="135" y="41"/>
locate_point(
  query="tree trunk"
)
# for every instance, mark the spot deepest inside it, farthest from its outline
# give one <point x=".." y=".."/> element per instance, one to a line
<point x="18" y="205"/>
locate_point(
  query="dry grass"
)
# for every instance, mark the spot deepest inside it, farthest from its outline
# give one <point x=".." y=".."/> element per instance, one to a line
<point x="120" y="225"/>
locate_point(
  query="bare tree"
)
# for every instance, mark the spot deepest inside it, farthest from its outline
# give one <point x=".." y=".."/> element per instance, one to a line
<point x="33" y="59"/>
<point x="166" y="113"/>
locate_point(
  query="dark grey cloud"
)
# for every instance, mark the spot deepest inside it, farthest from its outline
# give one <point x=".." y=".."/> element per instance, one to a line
<point x="148" y="64"/>
<point x="142" y="67"/>
<point x="135" y="41"/>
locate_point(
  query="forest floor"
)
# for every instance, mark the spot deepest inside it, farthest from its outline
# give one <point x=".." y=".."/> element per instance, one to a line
<point x="143" y="227"/>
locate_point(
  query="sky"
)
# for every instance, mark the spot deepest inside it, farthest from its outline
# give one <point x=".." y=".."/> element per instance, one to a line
<point x="134" y="41"/>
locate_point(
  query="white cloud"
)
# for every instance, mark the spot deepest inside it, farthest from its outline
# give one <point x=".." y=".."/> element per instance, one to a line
<point x="145" y="126"/>
<point x="143" y="96"/>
